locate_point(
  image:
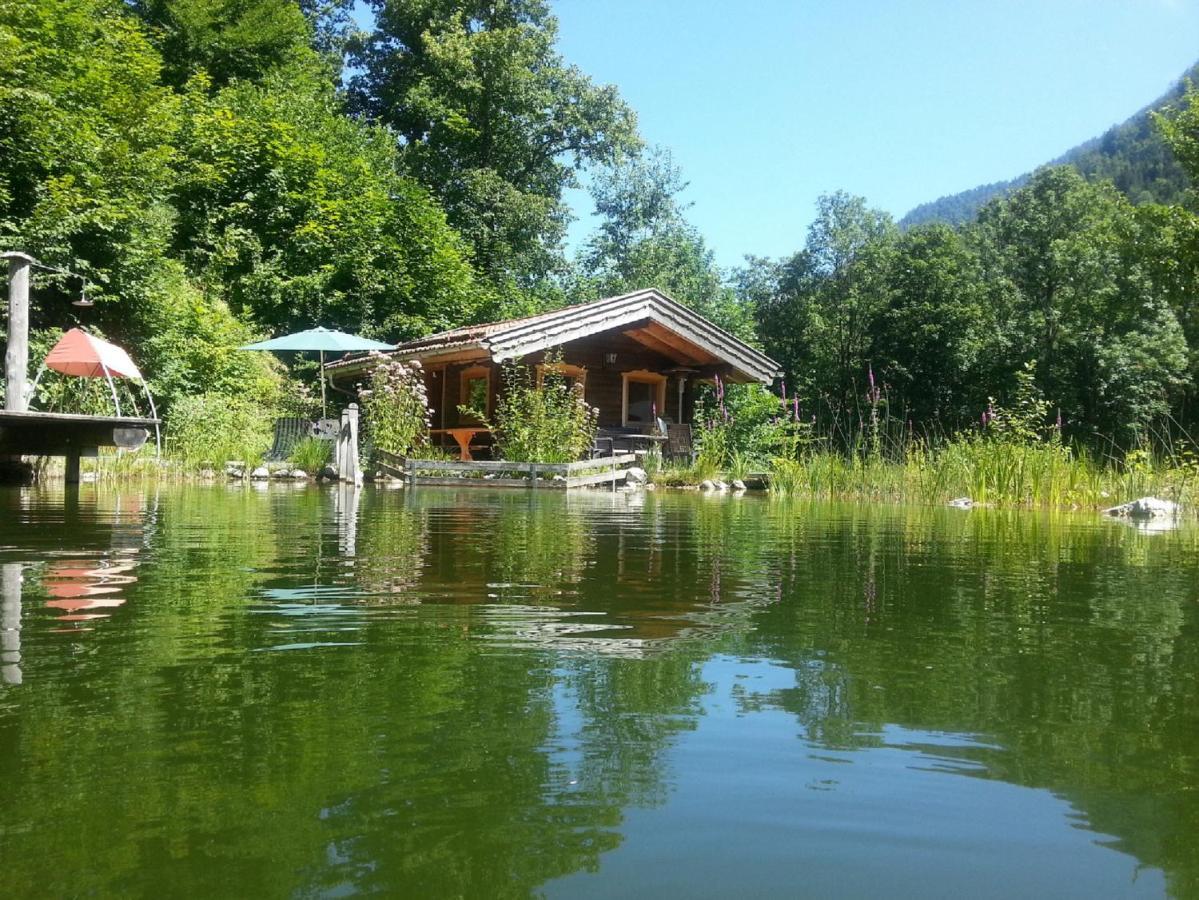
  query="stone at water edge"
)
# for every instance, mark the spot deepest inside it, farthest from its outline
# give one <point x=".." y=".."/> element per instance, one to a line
<point x="961" y="503"/>
<point x="738" y="485"/>
<point x="329" y="473"/>
<point x="262" y="473"/>
<point x="299" y="474"/>
<point x="721" y="486"/>
<point x="707" y="485"/>
<point x="1146" y="508"/>
<point x="636" y="475"/>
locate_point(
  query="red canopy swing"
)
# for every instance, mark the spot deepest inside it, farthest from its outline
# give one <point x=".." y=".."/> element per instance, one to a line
<point x="86" y="356"/>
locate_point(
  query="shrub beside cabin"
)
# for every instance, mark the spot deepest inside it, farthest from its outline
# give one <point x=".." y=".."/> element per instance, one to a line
<point x="635" y="355"/>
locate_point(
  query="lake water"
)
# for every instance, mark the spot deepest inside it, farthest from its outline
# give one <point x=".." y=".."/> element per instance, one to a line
<point x="299" y="692"/>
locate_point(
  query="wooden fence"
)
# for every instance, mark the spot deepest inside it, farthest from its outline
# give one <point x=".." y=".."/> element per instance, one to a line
<point x="500" y="473"/>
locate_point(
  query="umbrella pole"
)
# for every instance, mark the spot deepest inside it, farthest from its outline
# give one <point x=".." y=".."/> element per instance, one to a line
<point x="324" y="406"/>
<point x="112" y="387"/>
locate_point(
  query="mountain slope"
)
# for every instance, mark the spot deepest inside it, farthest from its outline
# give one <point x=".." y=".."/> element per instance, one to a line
<point x="1131" y="155"/>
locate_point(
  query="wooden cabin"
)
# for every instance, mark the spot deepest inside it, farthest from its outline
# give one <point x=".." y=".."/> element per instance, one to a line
<point x="635" y="355"/>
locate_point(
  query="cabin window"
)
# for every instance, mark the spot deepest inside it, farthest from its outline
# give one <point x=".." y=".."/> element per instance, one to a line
<point x="573" y="374"/>
<point x="644" y="395"/>
<point x="476" y="392"/>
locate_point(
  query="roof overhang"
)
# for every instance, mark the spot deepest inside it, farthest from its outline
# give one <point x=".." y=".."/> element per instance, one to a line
<point x="652" y="318"/>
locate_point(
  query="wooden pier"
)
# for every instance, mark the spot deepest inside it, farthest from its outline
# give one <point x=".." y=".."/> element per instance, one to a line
<point x="71" y="436"/>
<point x="25" y="433"/>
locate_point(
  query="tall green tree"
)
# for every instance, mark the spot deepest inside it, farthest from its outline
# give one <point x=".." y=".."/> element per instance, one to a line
<point x="644" y="240"/>
<point x="225" y="39"/>
<point x="928" y="339"/>
<point x="822" y="317"/>
<point x="295" y="214"/>
<point x="1083" y="304"/>
<point x="1180" y="128"/>
<point x="491" y="119"/>
<point x="88" y="152"/>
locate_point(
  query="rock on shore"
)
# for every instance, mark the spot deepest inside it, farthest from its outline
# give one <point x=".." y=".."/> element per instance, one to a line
<point x="1146" y="508"/>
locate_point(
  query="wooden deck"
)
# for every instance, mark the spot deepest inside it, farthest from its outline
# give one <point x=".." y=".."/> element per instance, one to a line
<point x="63" y="434"/>
<point x="503" y="474"/>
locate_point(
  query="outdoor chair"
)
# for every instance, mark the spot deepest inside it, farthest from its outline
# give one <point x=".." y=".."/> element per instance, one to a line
<point x="678" y="444"/>
<point x="288" y="432"/>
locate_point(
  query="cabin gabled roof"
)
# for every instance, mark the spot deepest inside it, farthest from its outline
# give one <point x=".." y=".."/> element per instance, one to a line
<point x="648" y="316"/>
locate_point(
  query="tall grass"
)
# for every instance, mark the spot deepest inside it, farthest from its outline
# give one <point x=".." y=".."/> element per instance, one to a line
<point x="311" y="455"/>
<point x="997" y="473"/>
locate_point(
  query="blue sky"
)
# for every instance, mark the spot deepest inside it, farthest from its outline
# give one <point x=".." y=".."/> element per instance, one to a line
<point x="766" y="104"/>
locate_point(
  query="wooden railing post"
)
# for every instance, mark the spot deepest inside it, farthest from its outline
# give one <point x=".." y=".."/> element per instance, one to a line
<point x="349" y="460"/>
<point x="339" y="446"/>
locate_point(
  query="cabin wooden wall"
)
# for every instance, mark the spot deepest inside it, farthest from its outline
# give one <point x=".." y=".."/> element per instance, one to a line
<point x="604" y="383"/>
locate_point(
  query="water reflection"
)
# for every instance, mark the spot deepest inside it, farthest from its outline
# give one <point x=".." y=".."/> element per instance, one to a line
<point x="80" y="588"/>
<point x="440" y="693"/>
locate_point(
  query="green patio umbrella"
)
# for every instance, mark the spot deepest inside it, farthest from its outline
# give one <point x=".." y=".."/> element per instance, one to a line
<point x="325" y="340"/>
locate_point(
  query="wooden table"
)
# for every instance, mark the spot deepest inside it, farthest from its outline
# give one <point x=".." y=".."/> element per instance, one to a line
<point x="463" y="436"/>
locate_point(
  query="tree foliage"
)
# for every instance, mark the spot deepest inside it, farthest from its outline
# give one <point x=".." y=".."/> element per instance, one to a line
<point x="643" y="239"/>
<point x="491" y="119"/>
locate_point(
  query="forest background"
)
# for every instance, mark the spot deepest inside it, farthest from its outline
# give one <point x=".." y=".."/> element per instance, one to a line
<point x="221" y="170"/>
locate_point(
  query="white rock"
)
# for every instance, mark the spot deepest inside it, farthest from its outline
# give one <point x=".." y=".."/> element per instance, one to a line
<point x="1146" y="508"/>
<point x="261" y="473"/>
<point x="721" y="486"/>
<point x="636" y="475"/>
<point x="651" y="487"/>
<point x="707" y="485"/>
<point x="961" y="503"/>
<point x="738" y="485"/>
<point x="299" y="474"/>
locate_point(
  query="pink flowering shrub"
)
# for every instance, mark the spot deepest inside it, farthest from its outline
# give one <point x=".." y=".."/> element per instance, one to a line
<point x="546" y="423"/>
<point x="395" y="406"/>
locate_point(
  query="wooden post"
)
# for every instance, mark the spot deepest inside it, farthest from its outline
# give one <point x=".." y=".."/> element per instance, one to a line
<point x="72" y="473"/>
<point x="533" y="476"/>
<point x="339" y="444"/>
<point x="16" y="357"/>
<point x="348" y="443"/>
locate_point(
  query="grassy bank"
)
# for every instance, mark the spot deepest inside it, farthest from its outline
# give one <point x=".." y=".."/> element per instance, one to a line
<point x="988" y="472"/>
